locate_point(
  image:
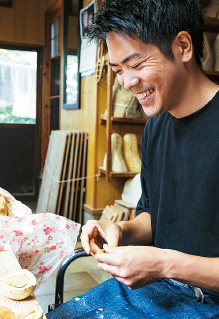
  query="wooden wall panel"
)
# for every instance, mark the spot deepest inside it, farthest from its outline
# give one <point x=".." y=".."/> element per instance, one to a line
<point x="7" y="30"/>
<point x="72" y="34"/>
<point x="49" y="3"/>
<point x="19" y="8"/>
<point x="41" y="22"/>
<point x="23" y="23"/>
<point x="31" y="21"/>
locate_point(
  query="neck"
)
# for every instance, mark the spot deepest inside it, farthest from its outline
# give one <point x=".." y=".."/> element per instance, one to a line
<point x="197" y="92"/>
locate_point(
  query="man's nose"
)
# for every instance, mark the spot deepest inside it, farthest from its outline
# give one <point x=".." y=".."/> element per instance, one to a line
<point x="128" y="81"/>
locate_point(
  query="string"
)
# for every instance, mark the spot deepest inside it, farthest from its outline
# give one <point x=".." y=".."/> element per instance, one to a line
<point x="70" y="180"/>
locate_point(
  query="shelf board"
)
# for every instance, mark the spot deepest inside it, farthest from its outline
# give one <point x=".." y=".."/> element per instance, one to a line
<point x="112" y="174"/>
<point x="122" y="120"/>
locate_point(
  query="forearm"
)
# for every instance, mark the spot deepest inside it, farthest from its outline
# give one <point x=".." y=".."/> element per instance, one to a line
<point x="137" y="231"/>
<point x="197" y="271"/>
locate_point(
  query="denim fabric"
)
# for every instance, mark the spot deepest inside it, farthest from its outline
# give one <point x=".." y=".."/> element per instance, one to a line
<point x="163" y="299"/>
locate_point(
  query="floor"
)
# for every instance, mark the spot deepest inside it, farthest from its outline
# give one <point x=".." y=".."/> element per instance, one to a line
<point x="80" y="276"/>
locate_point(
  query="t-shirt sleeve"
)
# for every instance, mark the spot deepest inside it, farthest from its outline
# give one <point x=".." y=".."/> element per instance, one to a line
<point x="143" y="203"/>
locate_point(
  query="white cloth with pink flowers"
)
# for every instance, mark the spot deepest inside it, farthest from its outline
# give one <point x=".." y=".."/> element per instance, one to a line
<point x="39" y="241"/>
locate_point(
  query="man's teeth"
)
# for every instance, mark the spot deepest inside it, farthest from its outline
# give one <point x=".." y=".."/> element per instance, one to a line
<point x="143" y="95"/>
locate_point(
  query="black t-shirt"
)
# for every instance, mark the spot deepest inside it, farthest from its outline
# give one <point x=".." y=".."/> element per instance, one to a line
<point x="180" y="180"/>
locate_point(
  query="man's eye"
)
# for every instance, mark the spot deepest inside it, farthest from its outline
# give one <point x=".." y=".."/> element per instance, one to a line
<point x="137" y="65"/>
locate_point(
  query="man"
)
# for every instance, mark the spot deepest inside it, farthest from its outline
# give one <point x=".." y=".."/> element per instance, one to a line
<point x="165" y="262"/>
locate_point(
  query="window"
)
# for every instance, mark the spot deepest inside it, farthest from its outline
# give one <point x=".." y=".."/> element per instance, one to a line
<point x="55" y="37"/>
<point x="18" y="75"/>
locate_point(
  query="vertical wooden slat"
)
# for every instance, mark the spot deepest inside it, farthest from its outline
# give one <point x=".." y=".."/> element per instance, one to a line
<point x="64" y="177"/>
<point x="58" y="160"/>
<point x="52" y="173"/>
<point x="83" y="183"/>
<point x="7" y="27"/>
<point x="69" y="176"/>
<point x="41" y="22"/>
<point x="74" y="199"/>
<point x="109" y="123"/>
<point x="74" y="175"/>
<point x="19" y="21"/>
<point x="31" y="16"/>
<point x="46" y="180"/>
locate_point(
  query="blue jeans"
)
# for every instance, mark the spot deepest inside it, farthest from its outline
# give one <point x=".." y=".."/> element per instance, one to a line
<point x="163" y="299"/>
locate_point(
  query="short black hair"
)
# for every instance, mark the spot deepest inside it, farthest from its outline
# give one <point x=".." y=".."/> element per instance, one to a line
<point x="152" y="21"/>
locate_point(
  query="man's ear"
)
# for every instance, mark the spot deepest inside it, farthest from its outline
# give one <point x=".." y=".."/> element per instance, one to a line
<point x="183" y="41"/>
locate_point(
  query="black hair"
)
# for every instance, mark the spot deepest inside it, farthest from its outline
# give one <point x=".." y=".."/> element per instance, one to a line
<point x="152" y="21"/>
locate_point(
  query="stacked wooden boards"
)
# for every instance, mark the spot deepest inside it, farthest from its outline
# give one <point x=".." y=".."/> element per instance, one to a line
<point x="121" y="210"/>
<point x="63" y="182"/>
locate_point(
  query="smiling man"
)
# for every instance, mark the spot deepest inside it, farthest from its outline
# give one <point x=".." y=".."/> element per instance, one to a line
<point x="165" y="262"/>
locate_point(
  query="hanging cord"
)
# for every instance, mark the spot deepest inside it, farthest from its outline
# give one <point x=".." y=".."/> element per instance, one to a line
<point x="99" y="64"/>
<point x="70" y="180"/>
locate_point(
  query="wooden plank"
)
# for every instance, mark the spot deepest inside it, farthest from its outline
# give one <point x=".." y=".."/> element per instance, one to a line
<point x="78" y="175"/>
<point x="19" y="21"/>
<point x="83" y="183"/>
<point x="41" y="22"/>
<point x="64" y="177"/>
<point x="46" y="180"/>
<point x="10" y="264"/>
<point x="69" y="176"/>
<point x="120" y="213"/>
<point x="7" y="24"/>
<point x="109" y="123"/>
<point x="58" y="159"/>
<point x="49" y="188"/>
<point x="108" y="215"/>
<point x="74" y="174"/>
<point x="31" y="18"/>
<point x="124" y="209"/>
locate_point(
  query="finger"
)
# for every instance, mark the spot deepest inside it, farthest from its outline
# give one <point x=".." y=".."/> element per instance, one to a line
<point x="85" y="243"/>
<point x="94" y="247"/>
<point x="112" y="270"/>
<point x="107" y="259"/>
<point x="120" y="279"/>
<point x="131" y="285"/>
<point x="116" y="250"/>
<point x="87" y="232"/>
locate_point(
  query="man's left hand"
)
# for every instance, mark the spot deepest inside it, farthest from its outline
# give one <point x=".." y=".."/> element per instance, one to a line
<point x="134" y="266"/>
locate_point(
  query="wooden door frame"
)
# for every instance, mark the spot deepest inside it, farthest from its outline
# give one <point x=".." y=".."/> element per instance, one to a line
<point x="55" y="10"/>
<point x="38" y="124"/>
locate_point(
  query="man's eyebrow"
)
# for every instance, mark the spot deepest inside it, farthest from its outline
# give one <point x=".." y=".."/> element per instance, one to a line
<point x="126" y="59"/>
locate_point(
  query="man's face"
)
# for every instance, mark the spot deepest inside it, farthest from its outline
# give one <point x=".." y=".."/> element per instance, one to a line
<point x="143" y="70"/>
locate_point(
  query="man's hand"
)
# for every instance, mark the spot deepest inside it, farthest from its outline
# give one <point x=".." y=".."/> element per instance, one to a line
<point x="101" y="233"/>
<point x="135" y="266"/>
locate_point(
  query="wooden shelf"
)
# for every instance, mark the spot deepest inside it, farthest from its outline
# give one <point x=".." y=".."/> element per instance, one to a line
<point x="112" y="174"/>
<point x="120" y="120"/>
<point x="211" y="25"/>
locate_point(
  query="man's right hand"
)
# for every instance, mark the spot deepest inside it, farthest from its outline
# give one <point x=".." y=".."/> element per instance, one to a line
<point x="102" y="233"/>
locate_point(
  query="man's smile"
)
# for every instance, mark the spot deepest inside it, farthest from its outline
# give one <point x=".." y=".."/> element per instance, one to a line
<point x="143" y="95"/>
